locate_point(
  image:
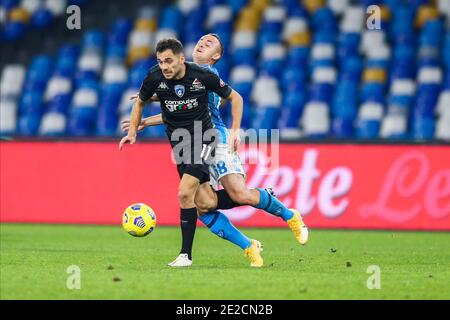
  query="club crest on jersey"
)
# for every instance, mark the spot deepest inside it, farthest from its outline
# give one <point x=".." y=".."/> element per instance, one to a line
<point x="179" y="90"/>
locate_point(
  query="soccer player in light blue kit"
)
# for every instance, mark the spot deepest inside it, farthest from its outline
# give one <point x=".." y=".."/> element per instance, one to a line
<point x="226" y="170"/>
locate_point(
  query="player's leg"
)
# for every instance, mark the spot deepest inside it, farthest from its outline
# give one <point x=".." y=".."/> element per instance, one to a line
<point x="238" y="192"/>
<point x="220" y="225"/>
<point x="188" y="218"/>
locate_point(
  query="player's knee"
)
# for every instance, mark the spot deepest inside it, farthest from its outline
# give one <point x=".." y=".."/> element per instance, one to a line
<point x="203" y="205"/>
<point x="185" y="196"/>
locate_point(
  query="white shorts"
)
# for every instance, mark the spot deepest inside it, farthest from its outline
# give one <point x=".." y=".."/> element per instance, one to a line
<point x="224" y="163"/>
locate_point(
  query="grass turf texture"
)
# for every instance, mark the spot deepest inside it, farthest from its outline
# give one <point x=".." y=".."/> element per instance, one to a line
<point x="114" y="265"/>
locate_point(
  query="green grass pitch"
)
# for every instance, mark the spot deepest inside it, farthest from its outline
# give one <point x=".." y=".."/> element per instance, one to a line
<point x="114" y="265"/>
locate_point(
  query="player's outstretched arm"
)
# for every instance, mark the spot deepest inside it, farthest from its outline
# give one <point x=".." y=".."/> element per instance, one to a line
<point x="237" y="105"/>
<point x="136" y="116"/>
<point x="146" y="122"/>
<point x="154" y="98"/>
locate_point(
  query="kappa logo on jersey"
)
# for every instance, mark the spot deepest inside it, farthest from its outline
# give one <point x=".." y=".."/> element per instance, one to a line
<point x="222" y="84"/>
<point x="181" y="105"/>
<point x="179" y="90"/>
<point x="197" y="85"/>
<point x="163" y="86"/>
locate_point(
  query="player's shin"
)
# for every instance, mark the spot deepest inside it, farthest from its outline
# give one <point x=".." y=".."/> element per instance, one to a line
<point x="272" y="205"/>
<point x="219" y="224"/>
<point x="188" y="223"/>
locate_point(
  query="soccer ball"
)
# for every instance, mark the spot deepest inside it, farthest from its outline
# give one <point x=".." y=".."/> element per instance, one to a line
<point x="139" y="220"/>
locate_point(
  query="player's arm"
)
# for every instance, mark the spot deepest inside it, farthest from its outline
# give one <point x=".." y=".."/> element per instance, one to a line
<point x="136" y="116"/>
<point x="214" y="83"/>
<point x="145" y="93"/>
<point x="237" y="107"/>
<point x="154" y="98"/>
<point x="146" y="122"/>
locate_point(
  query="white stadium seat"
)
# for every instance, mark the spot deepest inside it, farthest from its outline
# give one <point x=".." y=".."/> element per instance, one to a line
<point x="316" y="118"/>
<point x="53" y="123"/>
<point x="265" y="92"/>
<point x="163" y="34"/>
<point x="443" y="105"/>
<point x="141" y="38"/>
<point x="244" y="39"/>
<point x="370" y="111"/>
<point x="353" y="19"/>
<point x="31" y="5"/>
<point x="322" y="51"/>
<point x="324" y="75"/>
<point x="294" y="25"/>
<point x="429" y="75"/>
<point x="12" y="79"/>
<point x="115" y="73"/>
<point x="243" y="74"/>
<point x="393" y="124"/>
<point x="273" y="51"/>
<point x="85" y="98"/>
<point x="274" y="14"/>
<point x="8" y="116"/>
<point x="338" y="6"/>
<point x="443" y="128"/>
<point x="57" y="7"/>
<point x="403" y="87"/>
<point x="187" y="6"/>
<point x="219" y="13"/>
<point x="57" y="85"/>
<point x="90" y="61"/>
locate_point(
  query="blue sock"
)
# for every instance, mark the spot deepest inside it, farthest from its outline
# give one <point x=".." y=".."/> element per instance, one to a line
<point x="272" y="205"/>
<point x="219" y="224"/>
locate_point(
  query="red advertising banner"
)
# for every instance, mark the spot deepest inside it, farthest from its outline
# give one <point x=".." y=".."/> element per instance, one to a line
<point x="405" y="187"/>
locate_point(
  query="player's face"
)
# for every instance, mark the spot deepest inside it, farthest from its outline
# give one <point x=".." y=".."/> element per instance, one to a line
<point x="207" y="50"/>
<point x="170" y="63"/>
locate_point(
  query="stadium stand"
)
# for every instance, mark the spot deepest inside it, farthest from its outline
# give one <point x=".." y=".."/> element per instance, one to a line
<point x="312" y="68"/>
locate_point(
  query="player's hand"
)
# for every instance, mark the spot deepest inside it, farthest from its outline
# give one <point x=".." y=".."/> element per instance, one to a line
<point x="234" y="141"/>
<point x="125" y="125"/>
<point x="134" y="96"/>
<point x="127" y="139"/>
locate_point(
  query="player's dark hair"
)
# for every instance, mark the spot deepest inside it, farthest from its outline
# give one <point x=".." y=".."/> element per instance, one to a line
<point x="169" y="43"/>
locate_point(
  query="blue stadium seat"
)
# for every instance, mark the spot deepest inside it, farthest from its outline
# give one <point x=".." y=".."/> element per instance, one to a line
<point x="367" y="129"/>
<point x="342" y="128"/>
<point x="42" y="18"/>
<point x="93" y="39"/>
<point x="13" y="30"/>
<point x="292" y="109"/>
<point x="60" y="103"/>
<point x="266" y="118"/>
<point x="423" y="128"/>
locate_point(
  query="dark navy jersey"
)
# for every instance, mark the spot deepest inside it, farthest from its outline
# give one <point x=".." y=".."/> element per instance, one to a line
<point x="185" y="100"/>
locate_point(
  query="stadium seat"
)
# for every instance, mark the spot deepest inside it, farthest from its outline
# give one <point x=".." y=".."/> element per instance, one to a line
<point x="282" y="56"/>
<point x="315" y="121"/>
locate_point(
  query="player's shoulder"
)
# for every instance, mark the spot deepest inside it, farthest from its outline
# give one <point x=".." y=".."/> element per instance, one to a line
<point x="202" y="69"/>
<point x="154" y="72"/>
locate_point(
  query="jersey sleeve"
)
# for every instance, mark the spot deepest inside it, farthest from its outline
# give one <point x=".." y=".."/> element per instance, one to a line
<point x="214" y="83"/>
<point x="148" y="87"/>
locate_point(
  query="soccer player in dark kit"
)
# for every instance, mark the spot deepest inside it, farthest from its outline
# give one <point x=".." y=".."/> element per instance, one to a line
<point x="182" y="88"/>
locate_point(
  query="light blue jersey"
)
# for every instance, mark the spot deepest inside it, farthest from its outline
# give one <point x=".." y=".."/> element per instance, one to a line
<point x="214" y="106"/>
